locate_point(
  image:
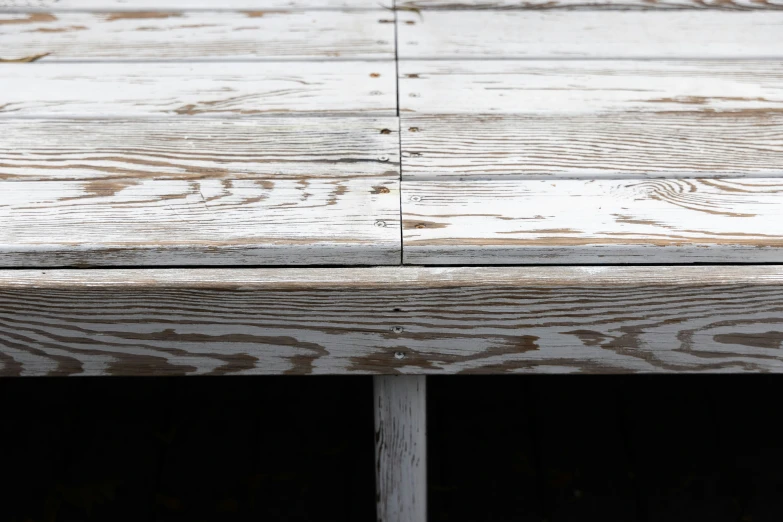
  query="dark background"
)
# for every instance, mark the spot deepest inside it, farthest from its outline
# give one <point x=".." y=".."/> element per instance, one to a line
<point x="501" y="448"/>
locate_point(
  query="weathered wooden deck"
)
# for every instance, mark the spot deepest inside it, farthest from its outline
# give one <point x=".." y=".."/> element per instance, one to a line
<point x="433" y="187"/>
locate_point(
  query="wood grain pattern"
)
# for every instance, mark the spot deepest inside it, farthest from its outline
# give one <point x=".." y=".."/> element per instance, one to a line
<point x="557" y="87"/>
<point x="401" y="447"/>
<point x="441" y="320"/>
<point x="604" y="221"/>
<point x="48" y="90"/>
<point x="174" y="5"/>
<point x="199" y="148"/>
<point x="198" y="35"/>
<point x="593" y="146"/>
<point x="205" y="222"/>
<point x="590" y="34"/>
<point x="643" y="5"/>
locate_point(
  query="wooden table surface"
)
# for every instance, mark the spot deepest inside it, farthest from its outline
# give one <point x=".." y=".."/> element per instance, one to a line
<point x="316" y="141"/>
<point x="427" y="187"/>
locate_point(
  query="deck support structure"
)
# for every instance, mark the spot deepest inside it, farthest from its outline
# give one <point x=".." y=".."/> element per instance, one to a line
<point x="401" y="448"/>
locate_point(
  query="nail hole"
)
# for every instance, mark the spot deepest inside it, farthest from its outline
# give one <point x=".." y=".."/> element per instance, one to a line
<point x="375" y="75"/>
<point x="380" y="224"/>
<point x="413" y="129"/>
<point x="385" y="131"/>
<point x="410" y="22"/>
<point x="421" y="225"/>
<point x="397" y="310"/>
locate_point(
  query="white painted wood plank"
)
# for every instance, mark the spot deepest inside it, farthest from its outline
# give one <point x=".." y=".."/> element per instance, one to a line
<point x="205" y="89"/>
<point x="173" y="5"/>
<point x="205" y="222"/>
<point x="401" y="447"/>
<point x="593" y="4"/>
<point x="199" y="148"/>
<point x="442" y="320"/>
<point x="593" y="146"/>
<point x="198" y="35"/>
<point x="590" y="34"/>
<point x="604" y="221"/>
<point x="589" y="86"/>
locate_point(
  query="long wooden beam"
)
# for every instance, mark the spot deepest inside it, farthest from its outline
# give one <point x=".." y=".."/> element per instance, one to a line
<point x="391" y="320"/>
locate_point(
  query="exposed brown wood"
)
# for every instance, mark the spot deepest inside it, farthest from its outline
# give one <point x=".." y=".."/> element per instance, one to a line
<point x="593" y="146"/>
<point x="131" y="222"/>
<point x="197" y="35"/>
<point x="273" y="148"/>
<point x="593" y="221"/>
<point x="391" y="320"/>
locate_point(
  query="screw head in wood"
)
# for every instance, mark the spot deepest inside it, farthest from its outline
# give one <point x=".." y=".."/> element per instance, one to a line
<point x="380" y="223"/>
<point x="398" y="329"/>
<point x="383" y="158"/>
<point x="399" y="355"/>
<point x="416" y="198"/>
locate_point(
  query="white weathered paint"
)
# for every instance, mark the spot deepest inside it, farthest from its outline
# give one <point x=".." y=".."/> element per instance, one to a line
<point x="401" y="447"/>
<point x="555" y="87"/>
<point x="356" y="321"/>
<point x="593" y="146"/>
<point x="173" y="5"/>
<point x="603" y="221"/>
<point x="46" y="90"/>
<point x="199" y="148"/>
<point x="590" y="34"/>
<point x="592" y="4"/>
<point x="200" y="222"/>
<point x="198" y="35"/>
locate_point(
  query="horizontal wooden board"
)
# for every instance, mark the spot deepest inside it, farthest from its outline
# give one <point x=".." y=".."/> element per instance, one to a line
<point x="205" y="89"/>
<point x="197" y="35"/>
<point x="603" y="221"/>
<point x="391" y="320"/>
<point x="593" y="4"/>
<point x="590" y="34"/>
<point x="207" y="222"/>
<point x="173" y="5"/>
<point x="199" y="148"/>
<point x="590" y="86"/>
<point x="590" y="146"/>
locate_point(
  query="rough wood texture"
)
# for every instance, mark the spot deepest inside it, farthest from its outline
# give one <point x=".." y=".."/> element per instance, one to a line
<point x="401" y="447"/>
<point x="174" y="5"/>
<point x="389" y="320"/>
<point x="207" y="89"/>
<point x="205" y="222"/>
<point x="555" y="87"/>
<point x="604" y="221"/>
<point x="586" y="146"/>
<point x="198" y="35"/>
<point x="593" y="4"/>
<point x="198" y="148"/>
<point x="590" y="34"/>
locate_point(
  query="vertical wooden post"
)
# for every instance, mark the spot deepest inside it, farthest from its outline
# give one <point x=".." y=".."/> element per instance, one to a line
<point x="401" y="448"/>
